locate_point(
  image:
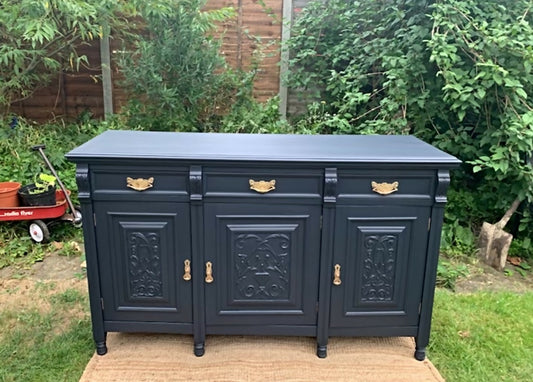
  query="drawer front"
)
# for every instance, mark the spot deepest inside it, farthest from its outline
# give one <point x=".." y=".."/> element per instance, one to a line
<point x="139" y="181"/>
<point x="263" y="183"/>
<point x="385" y="185"/>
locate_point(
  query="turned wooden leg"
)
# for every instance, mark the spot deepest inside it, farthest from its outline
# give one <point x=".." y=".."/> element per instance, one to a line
<point x="199" y="349"/>
<point x="100" y="341"/>
<point x="420" y="354"/>
<point x="322" y="351"/>
<point x="101" y="348"/>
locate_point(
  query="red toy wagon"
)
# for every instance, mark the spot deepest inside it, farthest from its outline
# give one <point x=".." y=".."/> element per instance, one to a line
<point x="42" y="217"/>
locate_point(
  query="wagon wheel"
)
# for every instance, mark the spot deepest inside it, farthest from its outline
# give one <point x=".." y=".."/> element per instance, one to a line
<point x="38" y="231"/>
<point x="77" y="217"/>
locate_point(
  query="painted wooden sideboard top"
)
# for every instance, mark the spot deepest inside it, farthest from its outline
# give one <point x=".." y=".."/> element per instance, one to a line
<point x="262" y="147"/>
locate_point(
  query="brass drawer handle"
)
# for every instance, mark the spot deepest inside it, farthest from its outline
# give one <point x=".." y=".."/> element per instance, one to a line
<point x="337" y="275"/>
<point x="385" y="188"/>
<point x="262" y="186"/>
<point x="209" y="272"/>
<point x="187" y="270"/>
<point x="140" y="184"/>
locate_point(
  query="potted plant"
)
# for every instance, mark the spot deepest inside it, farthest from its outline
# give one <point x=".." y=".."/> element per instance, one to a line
<point x="40" y="193"/>
<point x="8" y="194"/>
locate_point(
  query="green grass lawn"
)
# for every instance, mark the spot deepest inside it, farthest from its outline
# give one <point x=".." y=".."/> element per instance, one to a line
<point x="45" y="334"/>
<point x="483" y="336"/>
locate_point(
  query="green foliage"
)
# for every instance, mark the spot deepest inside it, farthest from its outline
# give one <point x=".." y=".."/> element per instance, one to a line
<point x="43" y="183"/>
<point x="522" y="248"/>
<point x="21" y="164"/>
<point x="483" y="52"/>
<point x="457" y="240"/>
<point x="365" y="61"/>
<point x="178" y="79"/>
<point x="249" y="116"/>
<point x="448" y="273"/>
<point x="39" y="38"/>
<point x="456" y="73"/>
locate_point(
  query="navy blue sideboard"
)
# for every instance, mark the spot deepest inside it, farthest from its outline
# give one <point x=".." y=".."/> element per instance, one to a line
<point x="249" y="234"/>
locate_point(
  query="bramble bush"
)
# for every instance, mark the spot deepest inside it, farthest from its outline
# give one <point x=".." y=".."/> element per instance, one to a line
<point x="456" y="73"/>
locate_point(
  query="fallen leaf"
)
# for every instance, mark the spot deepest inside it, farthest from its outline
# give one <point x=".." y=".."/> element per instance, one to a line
<point x="514" y="260"/>
<point x="75" y="246"/>
<point x="57" y="245"/>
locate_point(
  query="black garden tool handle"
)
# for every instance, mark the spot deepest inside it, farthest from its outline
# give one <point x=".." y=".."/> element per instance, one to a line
<point x="40" y="149"/>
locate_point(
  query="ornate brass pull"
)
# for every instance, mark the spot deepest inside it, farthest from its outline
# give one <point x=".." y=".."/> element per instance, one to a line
<point x="262" y="186"/>
<point x="187" y="270"/>
<point x="337" y="275"/>
<point x="209" y="272"/>
<point x="140" y="184"/>
<point x="385" y="188"/>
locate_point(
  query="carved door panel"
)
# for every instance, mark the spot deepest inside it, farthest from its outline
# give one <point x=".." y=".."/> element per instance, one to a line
<point x="381" y="254"/>
<point x="142" y="249"/>
<point x="265" y="261"/>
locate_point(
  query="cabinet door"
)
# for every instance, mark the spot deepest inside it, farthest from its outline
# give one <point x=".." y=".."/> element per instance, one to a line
<point x="141" y="250"/>
<point x="265" y="262"/>
<point x="381" y="253"/>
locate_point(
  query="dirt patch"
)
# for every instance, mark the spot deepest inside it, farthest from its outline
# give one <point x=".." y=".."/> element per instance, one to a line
<point x="22" y="294"/>
<point x="55" y="280"/>
<point x="485" y="278"/>
<point x="53" y="267"/>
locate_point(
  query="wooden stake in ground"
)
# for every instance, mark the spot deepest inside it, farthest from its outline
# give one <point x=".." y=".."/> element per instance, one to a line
<point x="494" y="242"/>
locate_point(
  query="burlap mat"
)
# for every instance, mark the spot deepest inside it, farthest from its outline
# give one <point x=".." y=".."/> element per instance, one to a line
<point x="156" y="357"/>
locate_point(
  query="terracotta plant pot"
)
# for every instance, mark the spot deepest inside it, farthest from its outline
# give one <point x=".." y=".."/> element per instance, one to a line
<point x="27" y="198"/>
<point x="8" y="194"/>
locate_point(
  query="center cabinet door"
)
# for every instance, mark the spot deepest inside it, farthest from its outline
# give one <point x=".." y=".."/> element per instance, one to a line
<point x="265" y="261"/>
<point x="142" y="248"/>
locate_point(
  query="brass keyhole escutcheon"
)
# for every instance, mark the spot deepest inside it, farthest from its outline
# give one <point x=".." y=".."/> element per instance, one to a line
<point x="187" y="270"/>
<point x="337" y="275"/>
<point x="209" y="272"/>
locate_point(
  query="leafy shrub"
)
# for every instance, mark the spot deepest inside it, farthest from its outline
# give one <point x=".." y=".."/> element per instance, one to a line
<point x="448" y="274"/>
<point x="39" y="38"/>
<point x="365" y="62"/>
<point x="457" y="240"/>
<point x="175" y="73"/>
<point x="456" y="73"/>
<point x="250" y="116"/>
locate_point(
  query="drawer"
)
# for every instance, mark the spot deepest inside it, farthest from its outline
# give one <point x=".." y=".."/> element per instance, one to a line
<point x="386" y="184"/>
<point x="263" y="183"/>
<point x="137" y="181"/>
